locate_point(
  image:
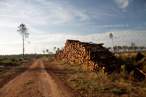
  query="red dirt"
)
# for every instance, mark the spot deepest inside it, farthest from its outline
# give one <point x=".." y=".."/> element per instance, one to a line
<point x="36" y="82"/>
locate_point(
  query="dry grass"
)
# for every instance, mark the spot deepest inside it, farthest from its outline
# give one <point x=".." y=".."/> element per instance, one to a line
<point x="90" y="84"/>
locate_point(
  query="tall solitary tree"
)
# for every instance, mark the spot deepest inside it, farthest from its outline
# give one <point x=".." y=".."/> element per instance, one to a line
<point x="22" y="29"/>
<point x="111" y="36"/>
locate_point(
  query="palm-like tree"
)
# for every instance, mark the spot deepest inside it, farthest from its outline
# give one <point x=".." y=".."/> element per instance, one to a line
<point x="22" y="29"/>
<point x="124" y="48"/>
<point x="111" y="36"/>
<point x="47" y="51"/>
<point x="115" y="48"/>
<point x="119" y="48"/>
<point x="58" y="49"/>
<point x="54" y="48"/>
<point x="141" y="48"/>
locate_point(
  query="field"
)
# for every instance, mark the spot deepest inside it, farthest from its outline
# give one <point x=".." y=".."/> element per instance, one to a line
<point x="13" y="65"/>
<point x="129" y="80"/>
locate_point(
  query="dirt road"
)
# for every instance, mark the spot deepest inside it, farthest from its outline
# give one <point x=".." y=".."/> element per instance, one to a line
<point x="34" y="82"/>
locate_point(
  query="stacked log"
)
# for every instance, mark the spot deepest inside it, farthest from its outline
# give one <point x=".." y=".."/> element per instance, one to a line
<point x="95" y="56"/>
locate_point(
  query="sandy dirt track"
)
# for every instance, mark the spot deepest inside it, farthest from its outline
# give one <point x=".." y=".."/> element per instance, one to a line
<point x="34" y="82"/>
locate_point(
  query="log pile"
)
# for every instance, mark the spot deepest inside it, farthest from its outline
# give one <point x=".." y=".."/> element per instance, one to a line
<point x="95" y="56"/>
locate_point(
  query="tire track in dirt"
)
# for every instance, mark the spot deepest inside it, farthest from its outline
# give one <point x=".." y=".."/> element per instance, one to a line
<point x="34" y="82"/>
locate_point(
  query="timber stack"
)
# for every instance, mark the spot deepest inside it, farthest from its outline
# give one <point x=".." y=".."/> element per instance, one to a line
<point x="95" y="56"/>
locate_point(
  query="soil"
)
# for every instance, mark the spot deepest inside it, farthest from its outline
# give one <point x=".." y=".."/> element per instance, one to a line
<point x="38" y="80"/>
<point x="10" y="72"/>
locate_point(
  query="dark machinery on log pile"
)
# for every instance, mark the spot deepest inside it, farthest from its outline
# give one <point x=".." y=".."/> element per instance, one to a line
<point x="95" y="56"/>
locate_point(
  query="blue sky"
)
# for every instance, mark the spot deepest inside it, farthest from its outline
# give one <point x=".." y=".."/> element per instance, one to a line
<point x="51" y="22"/>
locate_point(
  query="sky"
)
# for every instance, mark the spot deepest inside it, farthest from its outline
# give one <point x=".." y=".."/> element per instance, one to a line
<point x="52" y="22"/>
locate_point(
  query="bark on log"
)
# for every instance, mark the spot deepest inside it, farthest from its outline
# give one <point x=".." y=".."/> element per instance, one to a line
<point x="95" y="56"/>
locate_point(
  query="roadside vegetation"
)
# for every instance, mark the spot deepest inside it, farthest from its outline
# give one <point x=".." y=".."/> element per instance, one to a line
<point x="11" y="61"/>
<point x="12" y="67"/>
<point x="129" y="80"/>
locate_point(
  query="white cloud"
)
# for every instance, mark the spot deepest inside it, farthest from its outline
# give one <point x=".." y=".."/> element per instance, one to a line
<point x="122" y="4"/>
<point x="123" y="37"/>
<point x="9" y="24"/>
<point x="105" y="14"/>
<point x="60" y="13"/>
<point x="5" y="5"/>
<point x="43" y="12"/>
<point x="81" y="15"/>
<point x="12" y="16"/>
<point x="36" y="31"/>
<point x="111" y="26"/>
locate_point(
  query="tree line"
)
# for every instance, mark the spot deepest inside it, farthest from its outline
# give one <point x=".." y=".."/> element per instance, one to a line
<point x="125" y="48"/>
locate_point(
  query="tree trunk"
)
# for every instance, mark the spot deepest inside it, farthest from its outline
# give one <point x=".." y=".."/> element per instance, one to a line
<point x="23" y="45"/>
<point x="113" y="42"/>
